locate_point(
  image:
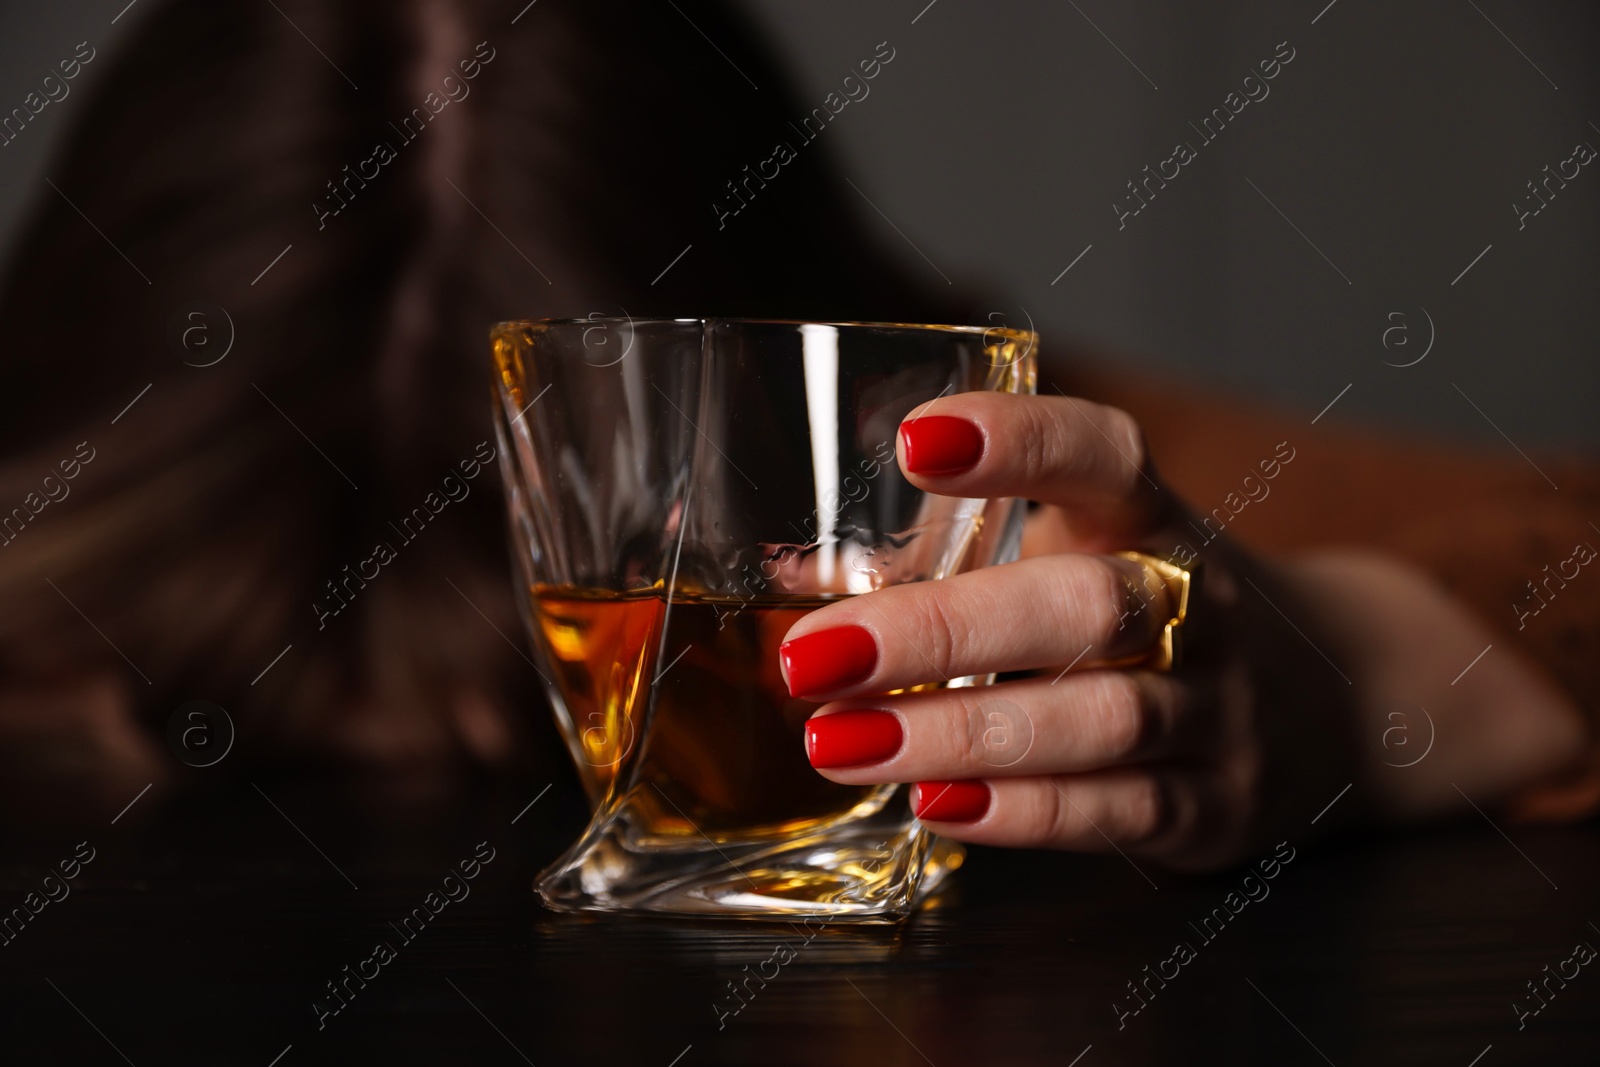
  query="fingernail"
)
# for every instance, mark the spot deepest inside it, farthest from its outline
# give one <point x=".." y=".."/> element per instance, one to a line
<point x="827" y="660"/>
<point x="940" y="444"/>
<point x="950" y="801"/>
<point x="851" y="738"/>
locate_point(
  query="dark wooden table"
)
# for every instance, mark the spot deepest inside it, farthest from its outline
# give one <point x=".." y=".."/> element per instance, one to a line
<point x="205" y="931"/>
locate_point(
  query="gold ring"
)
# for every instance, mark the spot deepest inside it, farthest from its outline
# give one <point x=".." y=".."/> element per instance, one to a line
<point x="1179" y="581"/>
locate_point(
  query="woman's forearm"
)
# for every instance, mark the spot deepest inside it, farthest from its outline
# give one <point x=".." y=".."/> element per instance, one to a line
<point x="1494" y="530"/>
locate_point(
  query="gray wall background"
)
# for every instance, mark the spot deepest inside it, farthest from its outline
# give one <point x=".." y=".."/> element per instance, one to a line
<point x="998" y="139"/>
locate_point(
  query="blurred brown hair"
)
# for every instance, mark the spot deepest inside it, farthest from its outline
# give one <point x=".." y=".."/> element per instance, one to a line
<point x="591" y="145"/>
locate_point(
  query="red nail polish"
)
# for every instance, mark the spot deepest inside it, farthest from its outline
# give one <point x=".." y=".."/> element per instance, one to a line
<point x="828" y="660"/>
<point x="852" y="738"/>
<point x="940" y="444"/>
<point x="950" y="801"/>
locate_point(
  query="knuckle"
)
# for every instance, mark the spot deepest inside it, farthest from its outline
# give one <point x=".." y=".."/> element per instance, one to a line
<point x="1126" y="433"/>
<point x="1147" y="809"/>
<point x="1081" y="440"/>
<point x="1096" y="593"/>
<point x="944" y="632"/>
<point x="1123" y="717"/>
<point x="1059" y="822"/>
<point x="1040" y="436"/>
<point x="1124" y="465"/>
<point x="965" y="736"/>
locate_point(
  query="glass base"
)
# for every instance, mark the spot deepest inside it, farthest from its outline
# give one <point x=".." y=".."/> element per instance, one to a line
<point x="868" y="870"/>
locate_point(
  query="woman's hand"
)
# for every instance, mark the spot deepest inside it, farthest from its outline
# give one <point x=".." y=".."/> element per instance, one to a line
<point x="1288" y="690"/>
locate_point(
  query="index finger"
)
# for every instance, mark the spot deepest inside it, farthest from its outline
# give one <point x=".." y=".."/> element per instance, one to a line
<point x="1086" y="458"/>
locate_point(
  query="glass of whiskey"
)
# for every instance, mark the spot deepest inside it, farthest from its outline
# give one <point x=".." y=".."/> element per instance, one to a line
<point x="681" y="492"/>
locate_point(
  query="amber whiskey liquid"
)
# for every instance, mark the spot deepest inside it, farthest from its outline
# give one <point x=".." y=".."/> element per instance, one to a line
<point x="722" y="752"/>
